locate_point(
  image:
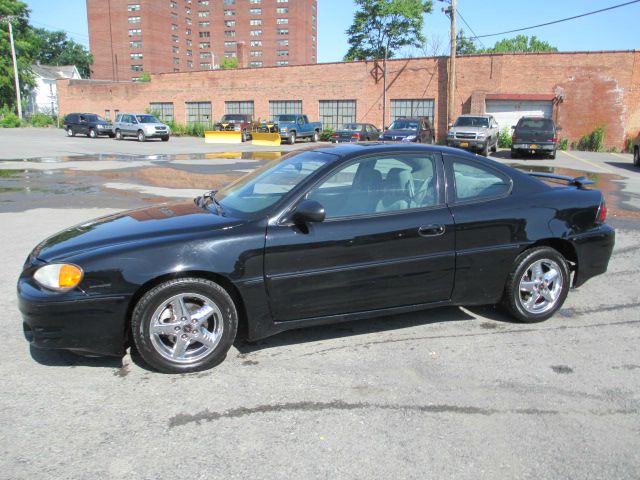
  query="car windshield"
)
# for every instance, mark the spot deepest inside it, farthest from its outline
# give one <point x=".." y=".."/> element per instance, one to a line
<point x="285" y="118"/>
<point x="404" y="125"/>
<point x="352" y="127"/>
<point x="535" y="124"/>
<point x="471" y="122"/>
<point x="147" y="119"/>
<point x="233" y="118"/>
<point x="94" y="118"/>
<point x="265" y="186"/>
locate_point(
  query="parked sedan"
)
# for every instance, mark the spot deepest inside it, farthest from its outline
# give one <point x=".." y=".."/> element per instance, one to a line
<point x="318" y="236"/>
<point x="418" y="130"/>
<point x="534" y="135"/>
<point x="356" y="132"/>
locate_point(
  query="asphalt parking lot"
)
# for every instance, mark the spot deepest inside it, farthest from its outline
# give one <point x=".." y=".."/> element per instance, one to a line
<point x="446" y="393"/>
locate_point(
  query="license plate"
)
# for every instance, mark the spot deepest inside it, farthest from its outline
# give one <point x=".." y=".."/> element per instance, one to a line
<point x="464" y="144"/>
<point x="533" y="147"/>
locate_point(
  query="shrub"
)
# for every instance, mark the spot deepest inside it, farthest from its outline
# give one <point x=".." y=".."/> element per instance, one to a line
<point x="504" y="139"/>
<point x="41" y="120"/>
<point x="325" y="136"/>
<point x="629" y="146"/>
<point x="8" y="119"/>
<point x="593" y="142"/>
<point x="563" y="144"/>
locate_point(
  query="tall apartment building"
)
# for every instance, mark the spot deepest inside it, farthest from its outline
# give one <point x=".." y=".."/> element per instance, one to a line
<point x="129" y="37"/>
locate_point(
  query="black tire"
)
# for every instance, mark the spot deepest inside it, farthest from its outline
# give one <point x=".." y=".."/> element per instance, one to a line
<point x="494" y="149"/>
<point x="528" y="289"/>
<point x="92" y="133"/>
<point x="112" y="135"/>
<point x="315" y="137"/>
<point x="165" y="138"/>
<point x="552" y="156"/>
<point x="70" y="132"/>
<point x="118" y="135"/>
<point x="513" y="154"/>
<point x="141" y="136"/>
<point x="155" y="310"/>
<point x="485" y="150"/>
<point x="292" y="138"/>
<point x="636" y="157"/>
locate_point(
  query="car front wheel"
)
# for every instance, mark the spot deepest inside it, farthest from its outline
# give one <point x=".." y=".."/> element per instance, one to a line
<point x="184" y="325"/>
<point x="537" y="286"/>
<point x="70" y="132"/>
<point x="292" y="138"/>
<point x="141" y="136"/>
<point x="118" y="135"/>
<point x="92" y="133"/>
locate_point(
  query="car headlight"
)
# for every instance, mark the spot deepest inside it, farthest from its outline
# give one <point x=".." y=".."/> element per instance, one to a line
<point x="59" y="276"/>
<point x="100" y="126"/>
<point x="409" y="138"/>
<point x="450" y="134"/>
<point x="481" y="135"/>
<point x="285" y="129"/>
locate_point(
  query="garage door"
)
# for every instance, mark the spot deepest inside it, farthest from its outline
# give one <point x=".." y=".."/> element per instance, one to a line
<point x="508" y="112"/>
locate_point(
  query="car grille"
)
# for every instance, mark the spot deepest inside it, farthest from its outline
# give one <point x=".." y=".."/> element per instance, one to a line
<point x="465" y="135"/>
<point x="161" y="129"/>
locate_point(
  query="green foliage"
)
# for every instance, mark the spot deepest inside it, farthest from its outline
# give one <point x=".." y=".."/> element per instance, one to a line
<point x="386" y="24"/>
<point x="325" y="136"/>
<point x="465" y="46"/>
<point x="629" y="146"/>
<point x="196" y="129"/>
<point x="177" y="129"/>
<point x="563" y="144"/>
<point x="145" y="77"/>
<point x="504" y="138"/>
<point x="521" y="43"/>
<point x="8" y="119"/>
<point x="54" y="48"/>
<point x="613" y="149"/>
<point x="41" y="120"/>
<point x="593" y="142"/>
<point x="229" y="63"/>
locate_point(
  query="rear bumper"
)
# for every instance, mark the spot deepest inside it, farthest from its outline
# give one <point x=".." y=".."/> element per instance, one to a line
<point x="87" y="324"/>
<point x="594" y="250"/>
<point x="532" y="147"/>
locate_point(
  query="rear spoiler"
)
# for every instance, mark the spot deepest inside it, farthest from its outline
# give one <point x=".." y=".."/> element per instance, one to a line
<point x="579" y="182"/>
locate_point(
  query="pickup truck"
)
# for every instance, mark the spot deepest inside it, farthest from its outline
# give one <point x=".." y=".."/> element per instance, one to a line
<point x="474" y="132"/>
<point x="236" y="122"/>
<point x="292" y="126"/>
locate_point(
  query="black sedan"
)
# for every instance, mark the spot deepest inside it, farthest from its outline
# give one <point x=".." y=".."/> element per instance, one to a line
<point x="355" y="132"/>
<point x="318" y="236"/>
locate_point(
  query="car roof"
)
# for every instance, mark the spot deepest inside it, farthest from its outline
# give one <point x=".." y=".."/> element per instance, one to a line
<point x="484" y="115"/>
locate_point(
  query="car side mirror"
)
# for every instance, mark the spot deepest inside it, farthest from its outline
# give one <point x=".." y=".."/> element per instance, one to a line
<point x="386" y="128"/>
<point x="558" y="128"/>
<point x="450" y="125"/>
<point x="308" y="211"/>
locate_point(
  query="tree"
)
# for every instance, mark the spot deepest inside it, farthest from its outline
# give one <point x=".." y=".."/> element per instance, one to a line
<point x="464" y="45"/>
<point x="229" y="63"/>
<point x="386" y="24"/>
<point x="145" y="77"/>
<point x="521" y="43"/>
<point x="18" y="13"/>
<point x="54" y="48"/>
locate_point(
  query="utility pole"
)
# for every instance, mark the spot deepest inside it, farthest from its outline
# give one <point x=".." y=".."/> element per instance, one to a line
<point x="384" y="90"/>
<point x="451" y="93"/>
<point x="15" y="67"/>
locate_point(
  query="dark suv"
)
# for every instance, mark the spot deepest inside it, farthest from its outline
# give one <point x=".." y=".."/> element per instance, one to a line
<point x="409" y="130"/>
<point x="534" y="135"/>
<point x="88" y="124"/>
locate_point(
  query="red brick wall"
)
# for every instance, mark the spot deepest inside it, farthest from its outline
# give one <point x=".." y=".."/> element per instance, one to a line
<point x="598" y="88"/>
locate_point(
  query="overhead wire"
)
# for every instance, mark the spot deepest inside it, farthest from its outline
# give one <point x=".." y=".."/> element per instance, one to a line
<point x="469" y="26"/>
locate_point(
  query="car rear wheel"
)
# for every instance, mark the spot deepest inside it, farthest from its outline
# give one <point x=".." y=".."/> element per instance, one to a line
<point x="315" y="137"/>
<point x="70" y="132"/>
<point x="184" y="325"/>
<point x="552" y="155"/>
<point x="92" y="133"/>
<point x="292" y="138"/>
<point x="141" y="136"/>
<point x="118" y="135"/>
<point x="513" y="154"/>
<point x="636" y="157"/>
<point x="537" y="286"/>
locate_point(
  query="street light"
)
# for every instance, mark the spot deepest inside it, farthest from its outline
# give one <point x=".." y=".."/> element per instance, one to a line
<point x="15" y="66"/>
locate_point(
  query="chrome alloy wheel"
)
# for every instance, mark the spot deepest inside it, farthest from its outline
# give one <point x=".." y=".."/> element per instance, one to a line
<point x="186" y="328"/>
<point x="541" y="286"/>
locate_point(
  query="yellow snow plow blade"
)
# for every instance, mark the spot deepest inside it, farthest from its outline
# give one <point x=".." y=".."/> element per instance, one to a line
<point x="267" y="139"/>
<point x="215" y="136"/>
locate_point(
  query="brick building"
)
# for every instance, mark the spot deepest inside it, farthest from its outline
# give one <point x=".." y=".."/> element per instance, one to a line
<point x="580" y="90"/>
<point x="130" y="37"/>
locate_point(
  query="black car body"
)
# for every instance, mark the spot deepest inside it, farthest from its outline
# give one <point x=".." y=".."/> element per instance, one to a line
<point x="417" y="130"/>
<point x="318" y="236"/>
<point x="88" y="124"/>
<point x="355" y="132"/>
<point x="533" y="135"/>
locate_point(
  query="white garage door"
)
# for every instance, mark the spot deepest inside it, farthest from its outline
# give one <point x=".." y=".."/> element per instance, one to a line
<point x="508" y="112"/>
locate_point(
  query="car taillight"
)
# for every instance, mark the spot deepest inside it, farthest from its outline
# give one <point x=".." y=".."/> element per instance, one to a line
<point x="356" y="136"/>
<point x="602" y="212"/>
<point x="513" y="137"/>
<point x="555" y="137"/>
<point x="335" y="135"/>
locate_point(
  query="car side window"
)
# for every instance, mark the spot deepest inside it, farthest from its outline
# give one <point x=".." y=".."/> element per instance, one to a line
<point x="378" y="185"/>
<point x="474" y="181"/>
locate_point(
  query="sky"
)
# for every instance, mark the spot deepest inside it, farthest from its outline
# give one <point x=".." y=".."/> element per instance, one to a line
<point x="612" y="30"/>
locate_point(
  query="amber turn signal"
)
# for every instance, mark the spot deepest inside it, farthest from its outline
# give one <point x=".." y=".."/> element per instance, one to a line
<point x="59" y="277"/>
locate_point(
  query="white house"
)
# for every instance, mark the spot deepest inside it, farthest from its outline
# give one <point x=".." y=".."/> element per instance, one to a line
<point x="43" y="98"/>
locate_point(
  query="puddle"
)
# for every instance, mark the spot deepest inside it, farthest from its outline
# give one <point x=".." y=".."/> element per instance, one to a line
<point x="609" y="184"/>
<point x="267" y="155"/>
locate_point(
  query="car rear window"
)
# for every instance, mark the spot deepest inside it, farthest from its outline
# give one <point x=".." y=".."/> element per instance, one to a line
<point x="535" y="124"/>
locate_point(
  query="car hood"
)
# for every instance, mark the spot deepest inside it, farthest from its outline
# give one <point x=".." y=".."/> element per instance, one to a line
<point x="162" y="221"/>
<point x="400" y="133"/>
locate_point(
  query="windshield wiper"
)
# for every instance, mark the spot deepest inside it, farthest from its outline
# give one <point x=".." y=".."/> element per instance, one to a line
<point x="207" y="198"/>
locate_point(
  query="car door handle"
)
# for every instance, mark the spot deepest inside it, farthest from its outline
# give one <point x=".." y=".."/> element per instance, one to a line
<point x="431" y="230"/>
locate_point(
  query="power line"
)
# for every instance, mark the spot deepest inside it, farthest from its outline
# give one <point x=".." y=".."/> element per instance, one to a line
<point x="61" y="29"/>
<point x="557" y="21"/>
<point x="470" y="29"/>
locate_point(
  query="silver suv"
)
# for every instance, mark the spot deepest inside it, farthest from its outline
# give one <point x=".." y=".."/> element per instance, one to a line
<point x="474" y="132"/>
<point x="141" y="126"/>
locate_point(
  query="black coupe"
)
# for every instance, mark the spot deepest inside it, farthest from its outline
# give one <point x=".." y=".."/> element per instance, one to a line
<point x="318" y="236"/>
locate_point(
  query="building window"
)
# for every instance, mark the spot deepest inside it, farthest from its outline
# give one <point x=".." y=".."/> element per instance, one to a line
<point x="205" y="44"/>
<point x="206" y="66"/>
<point x="133" y="7"/>
<point x="189" y="64"/>
<point x="135" y="31"/>
<point x="229" y="23"/>
<point x="189" y="53"/>
<point x="282" y="53"/>
<point x="282" y="62"/>
<point x="239" y="107"/>
<point x="188" y="42"/>
<point x="229" y="44"/>
<point x="255" y="33"/>
<point x="256" y="53"/>
<point x="136" y="56"/>
<point x="107" y="114"/>
<point x="282" y="1"/>
<point x="203" y="14"/>
<point x="253" y="2"/>
<point x="282" y="31"/>
<point x="229" y="13"/>
<point x="162" y="110"/>
<point x="255" y="11"/>
<point x="256" y="43"/>
<point x="282" y="21"/>
<point x="255" y="22"/>
<point x="135" y="44"/>
<point x="174" y="38"/>
<point x="203" y="3"/>
<point x="137" y="68"/>
<point x="229" y="33"/>
<point x="205" y="55"/>
<point x="422" y="107"/>
<point x="174" y="16"/>
<point x="176" y="61"/>
<point x="335" y="113"/>
<point x="199" y="112"/>
<point x="282" y="10"/>
<point x="173" y="4"/>
<point x="280" y="107"/>
<point x="187" y="10"/>
<point x="204" y="34"/>
<point x="255" y="64"/>
<point x="174" y="27"/>
<point x="175" y="49"/>
<point x="283" y="43"/>
<point x="229" y="2"/>
<point x="204" y="24"/>
<point x="188" y="32"/>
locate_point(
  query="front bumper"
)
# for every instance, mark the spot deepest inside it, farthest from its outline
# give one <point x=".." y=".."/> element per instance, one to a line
<point x="468" y="144"/>
<point x="73" y="321"/>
